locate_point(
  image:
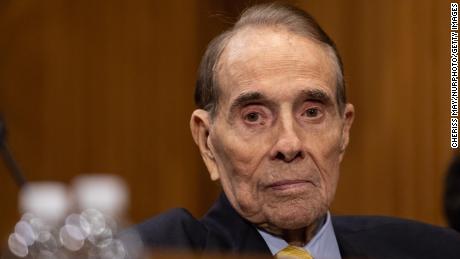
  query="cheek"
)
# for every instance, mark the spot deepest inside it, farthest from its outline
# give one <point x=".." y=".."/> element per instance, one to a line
<point x="326" y="140"/>
<point x="324" y="149"/>
<point x="238" y="163"/>
<point x="237" y="158"/>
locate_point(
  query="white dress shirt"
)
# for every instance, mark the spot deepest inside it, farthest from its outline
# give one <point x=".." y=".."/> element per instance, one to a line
<point x="322" y="246"/>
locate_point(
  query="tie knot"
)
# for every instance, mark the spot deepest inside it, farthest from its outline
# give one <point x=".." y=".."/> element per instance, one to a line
<point x="293" y="252"/>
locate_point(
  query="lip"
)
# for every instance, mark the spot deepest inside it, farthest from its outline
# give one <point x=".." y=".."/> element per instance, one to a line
<point x="287" y="184"/>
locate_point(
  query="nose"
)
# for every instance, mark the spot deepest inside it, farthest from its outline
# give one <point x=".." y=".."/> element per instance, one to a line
<point x="288" y="145"/>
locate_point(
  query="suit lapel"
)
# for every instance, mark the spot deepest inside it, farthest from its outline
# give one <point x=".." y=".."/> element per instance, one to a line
<point x="346" y="247"/>
<point x="227" y="230"/>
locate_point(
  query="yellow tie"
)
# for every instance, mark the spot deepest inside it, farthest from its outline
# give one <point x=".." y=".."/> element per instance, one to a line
<point x="293" y="252"/>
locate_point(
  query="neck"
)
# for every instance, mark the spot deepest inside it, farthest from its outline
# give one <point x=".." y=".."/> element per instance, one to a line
<point x="296" y="237"/>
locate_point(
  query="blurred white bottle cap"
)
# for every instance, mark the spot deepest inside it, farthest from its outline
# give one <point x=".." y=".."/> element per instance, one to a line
<point x="103" y="192"/>
<point x="47" y="200"/>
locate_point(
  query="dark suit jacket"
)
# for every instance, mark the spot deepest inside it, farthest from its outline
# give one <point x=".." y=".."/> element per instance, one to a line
<point x="223" y="230"/>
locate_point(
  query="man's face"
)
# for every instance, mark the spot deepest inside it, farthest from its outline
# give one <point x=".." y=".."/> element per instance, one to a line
<point x="277" y="139"/>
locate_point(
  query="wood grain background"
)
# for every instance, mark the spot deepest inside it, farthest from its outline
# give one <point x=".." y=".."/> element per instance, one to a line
<point x="106" y="86"/>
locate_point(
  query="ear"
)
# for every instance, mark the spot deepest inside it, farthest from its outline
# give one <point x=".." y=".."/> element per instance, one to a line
<point x="200" y="125"/>
<point x="348" y="117"/>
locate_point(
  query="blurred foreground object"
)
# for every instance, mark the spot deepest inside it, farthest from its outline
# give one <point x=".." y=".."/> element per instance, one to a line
<point x="106" y="193"/>
<point x="452" y="194"/>
<point x="81" y="222"/>
<point x="47" y="200"/>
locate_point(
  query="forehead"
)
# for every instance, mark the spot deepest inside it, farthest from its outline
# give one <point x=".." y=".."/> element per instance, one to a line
<point x="274" y="57"/>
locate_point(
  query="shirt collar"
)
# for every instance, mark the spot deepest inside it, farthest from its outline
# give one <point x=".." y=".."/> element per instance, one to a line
<point x="322" y="246"/>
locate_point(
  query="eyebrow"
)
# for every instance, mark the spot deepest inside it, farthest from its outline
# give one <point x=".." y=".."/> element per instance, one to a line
<point x="315" y="95"/>
<point x="247" y="98"/>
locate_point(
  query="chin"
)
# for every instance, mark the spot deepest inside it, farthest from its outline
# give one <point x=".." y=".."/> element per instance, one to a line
<point x="296" y="217"/>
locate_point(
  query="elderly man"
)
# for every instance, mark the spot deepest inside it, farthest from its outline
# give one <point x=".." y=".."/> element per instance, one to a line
<point x="272" y="126"/>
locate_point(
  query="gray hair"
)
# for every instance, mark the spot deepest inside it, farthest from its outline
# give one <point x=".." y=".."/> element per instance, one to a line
<point x="288" y="17"/>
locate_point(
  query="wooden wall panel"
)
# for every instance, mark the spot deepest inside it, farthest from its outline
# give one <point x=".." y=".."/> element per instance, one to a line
<point x="96" y="86"/>
<point x="91" y="86"/>
<point x="396" y="63"/>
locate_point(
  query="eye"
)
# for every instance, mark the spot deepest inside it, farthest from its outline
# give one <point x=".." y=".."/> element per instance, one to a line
<point x="252" y="117"/>
<point x="255" y="116"/>
<point x="312" y="112"/>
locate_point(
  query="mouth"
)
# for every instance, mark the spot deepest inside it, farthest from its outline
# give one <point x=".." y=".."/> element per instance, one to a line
<point x="288" y="184"/>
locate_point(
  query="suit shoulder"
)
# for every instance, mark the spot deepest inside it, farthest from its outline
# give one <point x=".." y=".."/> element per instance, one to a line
<point x="356" y="224"/>
<point x="176" y="228"/>
<point x="397" y="236"/>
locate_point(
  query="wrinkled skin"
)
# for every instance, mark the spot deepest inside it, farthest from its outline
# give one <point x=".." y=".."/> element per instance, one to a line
<point x="278" y="136"/>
